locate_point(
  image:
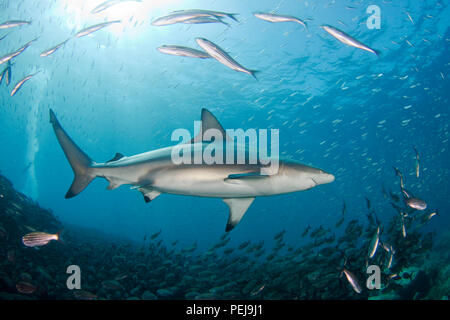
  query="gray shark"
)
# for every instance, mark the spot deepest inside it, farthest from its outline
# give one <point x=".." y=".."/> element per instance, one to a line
<point x="155" y="172"/>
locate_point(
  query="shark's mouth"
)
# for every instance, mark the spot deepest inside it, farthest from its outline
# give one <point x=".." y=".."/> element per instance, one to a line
<point x="314" y="181"/>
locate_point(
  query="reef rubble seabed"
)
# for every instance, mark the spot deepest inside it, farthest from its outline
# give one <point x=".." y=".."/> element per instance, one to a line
<point x="114" y="268"/>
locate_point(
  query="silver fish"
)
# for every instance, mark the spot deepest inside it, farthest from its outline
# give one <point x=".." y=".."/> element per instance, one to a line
<point x="96" y="27"/>
<point x="21" y="82"/>
<point x="11" y="55"/>
<point x="178" y="17"/>
<point x="107" y="4"/>
<point x="391" y="258"/>
<point x="346" y="39"/>
<point x="216" y="14"/>
<point x="374" y="243"/>
<point x="199" y="20"/>
<point x="48" y="52"/>
<point x="37" y="239"/>
<point x="13" y="23"/>
<point x="403" y="228"/>
<point x="183" y="51"/>
<point x="352" y="280"/>
<point x="414" y="203"/>
<point x="417" y="162"/>
<point x="220" y="55"/>
<point x="8" y="73"/>
<point x="271" y="17"/>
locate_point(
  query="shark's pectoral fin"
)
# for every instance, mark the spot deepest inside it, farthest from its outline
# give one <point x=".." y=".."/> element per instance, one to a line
<point x="240" y="178"/>
<point x="149" y="193"/>
<point x="238" y="207"/>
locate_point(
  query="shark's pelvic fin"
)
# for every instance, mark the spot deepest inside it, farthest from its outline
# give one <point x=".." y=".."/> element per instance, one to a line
<point x="113" y="183"/>
<point x="209" y="122"/>
<point x="118" y="156"/>
<point x="238" y="207"/>
<point x="79" y="161"/>
<point x="149" y="193"/>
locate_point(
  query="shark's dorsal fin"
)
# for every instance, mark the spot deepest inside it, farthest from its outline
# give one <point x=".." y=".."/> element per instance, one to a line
<point x="238" y="207"/>
<point x="118" y="156"/>
<point x="209" y="121"/>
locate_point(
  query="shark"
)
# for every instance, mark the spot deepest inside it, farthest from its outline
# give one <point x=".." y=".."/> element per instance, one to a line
<point x="154" y="172"/>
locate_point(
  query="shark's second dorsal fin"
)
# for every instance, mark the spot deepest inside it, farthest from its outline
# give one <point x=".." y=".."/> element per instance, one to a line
<point x="209" y="121"/>
<point x="118" y="156"/>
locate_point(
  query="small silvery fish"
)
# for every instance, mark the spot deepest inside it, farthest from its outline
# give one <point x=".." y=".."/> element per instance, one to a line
<point x="21" y="82"/>
<point x="374" y="243"/>
<point x="96" y="27"/>
<point x="13" y="23"/>
<point x="48" y="52"/>
<point x="414" y="203"/>
<point x="399" y="174"/>
<point x="346" y="39"/>
<point x="177" y="17"/>
<point x="204" y="20"/>
<point x="271" y="17"/>
<point x="9" y="56"/>
<point x="352" y="280"/>
<point x="210" y="13"/>
<point x="391" y="258"/>
<point x="183" y="51"/>
<point x="8" y="73"/>
<point x="37" y="239"/>
<point x="25" y="287"/>
<point x="220" y="55"/>
<point x="84" y="295"/>
<point x="417" y="162"/>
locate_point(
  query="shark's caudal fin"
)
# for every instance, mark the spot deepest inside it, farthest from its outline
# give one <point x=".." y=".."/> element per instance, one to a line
<point x="79" y="161"/>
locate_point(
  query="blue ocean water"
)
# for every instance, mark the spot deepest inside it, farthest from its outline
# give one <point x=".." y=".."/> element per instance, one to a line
<point x="338" y="108"/>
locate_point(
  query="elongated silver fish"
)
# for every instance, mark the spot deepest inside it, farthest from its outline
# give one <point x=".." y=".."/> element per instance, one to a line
<point x="220" y="55"/>
<point x="178" y="17"/>
<point x="21" y="82"/>
<point x="352" y="280"/>
<point x="6" y="73"/>
<point x="183" y="51"/>
<point x="107" y="4"/>
<point x="48" y="52"/>
<point x="13" y="23"/>
<point x="210" y="13"/>
<point x="11" y="55"/>
<point x="417" y="162"/>
<point x="374" y="243"/>
<point x="391" y="258"/>
<point x="96" y="27"/>
<point x="204" y="20"/>
<point x="346" y="39"/>
<point x="272" y="17"/>
<point x="37" y="239"/>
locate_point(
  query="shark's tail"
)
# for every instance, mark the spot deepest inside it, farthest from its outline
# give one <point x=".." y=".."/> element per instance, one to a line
<point x="79" y="161"/>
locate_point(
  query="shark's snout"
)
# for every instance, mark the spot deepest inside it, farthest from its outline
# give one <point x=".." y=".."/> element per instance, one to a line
<point x="321" y="177"/>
